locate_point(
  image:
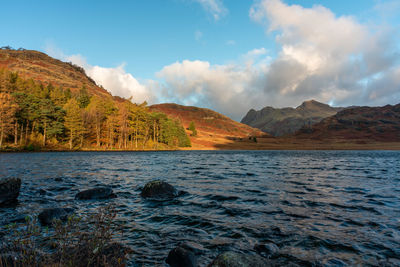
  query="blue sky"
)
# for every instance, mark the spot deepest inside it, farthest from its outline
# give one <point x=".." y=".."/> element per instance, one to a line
<point x="146" y="35"/>
<point x="141" y="38"/>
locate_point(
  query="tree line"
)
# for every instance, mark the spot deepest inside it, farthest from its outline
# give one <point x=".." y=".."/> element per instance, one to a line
<point x="34" y="115"/>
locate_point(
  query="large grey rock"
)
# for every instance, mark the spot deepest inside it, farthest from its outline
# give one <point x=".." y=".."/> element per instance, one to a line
<point x="9" y="189"/>
<point x="47" y="216"/>
<point x="96" y="193"/>
<point x="159" y="190"/>
<point x="233" y="259"/>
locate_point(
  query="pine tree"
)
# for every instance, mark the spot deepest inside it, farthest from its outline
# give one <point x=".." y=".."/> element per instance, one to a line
<point x="8" y="109"/>
<point x="83" y="97"/>
<point x="73" y="120"/>
<point x="192" y="127"/>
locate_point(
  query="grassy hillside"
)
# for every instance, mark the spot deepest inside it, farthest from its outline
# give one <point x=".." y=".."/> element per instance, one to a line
<point x="212" y="127"/>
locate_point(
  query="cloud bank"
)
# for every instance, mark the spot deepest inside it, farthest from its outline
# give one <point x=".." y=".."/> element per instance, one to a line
<point x="333" y="59"/>
<point x="321" y="56"/>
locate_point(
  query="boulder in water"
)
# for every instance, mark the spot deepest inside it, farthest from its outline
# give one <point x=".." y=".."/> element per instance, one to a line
<point x="96" y="193"/>
<point x="9" y="190"/>
<point x="267" y="250"/>
<point x="233" y="259"/>
<point x="181" y="257"/>
<point x="159" y="190"/>
<point x="47" y="216"/>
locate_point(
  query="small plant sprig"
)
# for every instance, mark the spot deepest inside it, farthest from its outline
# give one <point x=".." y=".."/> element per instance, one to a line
<point x="22" y="249"/>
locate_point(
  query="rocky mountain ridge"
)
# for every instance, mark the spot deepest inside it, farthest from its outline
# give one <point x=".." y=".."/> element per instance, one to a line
<point x="284" y="121"/>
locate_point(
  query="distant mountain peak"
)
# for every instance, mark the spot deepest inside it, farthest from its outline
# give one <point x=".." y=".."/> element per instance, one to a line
<point x="313" y="104"/>
<point x="282" y="121"/>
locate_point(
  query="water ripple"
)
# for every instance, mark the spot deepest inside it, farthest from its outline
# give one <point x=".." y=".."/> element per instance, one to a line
<point x="322" y="208"/>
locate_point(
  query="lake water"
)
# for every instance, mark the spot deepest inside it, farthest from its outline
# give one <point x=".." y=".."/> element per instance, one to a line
<point x="330" y="208"/>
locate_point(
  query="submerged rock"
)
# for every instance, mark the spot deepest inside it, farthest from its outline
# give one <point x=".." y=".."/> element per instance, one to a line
<point x="267" y="250"/>
<point x="233" y="259"/>
<point x="159" y="190"/>
<point x="96" y="193"/>
<point x="47" y="216"/>
<point x="181" y="257"/>
<point x="9" y="190"/>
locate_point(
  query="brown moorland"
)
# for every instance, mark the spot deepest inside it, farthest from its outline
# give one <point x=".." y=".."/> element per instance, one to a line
<point x="358" y="128"/>
<point x="31" y="64"/>
<point x="363" y="124"/>
<point x="213" y="129"/>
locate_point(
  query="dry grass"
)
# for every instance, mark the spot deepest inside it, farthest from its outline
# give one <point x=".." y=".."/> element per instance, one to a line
<point x="78" y="242"/>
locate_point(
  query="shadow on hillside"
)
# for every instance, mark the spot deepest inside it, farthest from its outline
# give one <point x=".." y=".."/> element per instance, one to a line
<point x="248" y="143"/>
<point x="295" y="143"/>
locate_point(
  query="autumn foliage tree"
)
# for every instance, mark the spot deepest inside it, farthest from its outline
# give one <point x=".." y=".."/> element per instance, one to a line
<point x="8" y="109"/>
<point x="45" y="115"/>
<point x="73" y="120"/>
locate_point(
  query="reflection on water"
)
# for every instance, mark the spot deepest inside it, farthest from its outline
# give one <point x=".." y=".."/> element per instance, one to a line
<point x="329" y="207"/>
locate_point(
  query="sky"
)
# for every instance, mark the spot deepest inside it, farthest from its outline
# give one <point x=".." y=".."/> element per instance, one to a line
<point x="226" y="55"/>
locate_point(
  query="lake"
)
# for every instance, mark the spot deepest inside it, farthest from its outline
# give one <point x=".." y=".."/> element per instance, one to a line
<point x="330" y="208"/>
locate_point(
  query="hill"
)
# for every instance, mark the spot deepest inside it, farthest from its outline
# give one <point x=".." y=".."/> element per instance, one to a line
<point x="284" y="121"/>
<point x="30" y="64"/>
<point x="49" y="104"/>
<point x="212" y="127"/>
<point x="365" y="124"/>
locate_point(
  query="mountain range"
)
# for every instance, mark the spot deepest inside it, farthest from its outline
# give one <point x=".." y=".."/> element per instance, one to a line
<point x="284" y="121"/>
<point x="360" y="123"/>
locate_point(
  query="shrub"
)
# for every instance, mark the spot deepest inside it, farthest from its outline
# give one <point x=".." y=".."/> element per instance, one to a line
<point x="192" y="127"/>
<point x="78" y="242"/>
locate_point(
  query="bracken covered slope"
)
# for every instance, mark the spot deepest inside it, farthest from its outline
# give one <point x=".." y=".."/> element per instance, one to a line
<point x="30" y="64"/>
<point x="283" y="121"/>
<point x="359" y="123"/>
<point x="213" y="128"/>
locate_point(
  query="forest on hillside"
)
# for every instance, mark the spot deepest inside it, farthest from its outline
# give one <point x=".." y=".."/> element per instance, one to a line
<point x="36" y="116"/>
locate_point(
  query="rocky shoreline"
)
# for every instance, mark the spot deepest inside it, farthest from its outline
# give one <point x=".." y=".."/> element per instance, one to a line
<point x="185" y="254"/>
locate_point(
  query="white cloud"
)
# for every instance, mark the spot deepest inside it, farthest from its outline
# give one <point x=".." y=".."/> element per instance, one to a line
<point x="230" y="42"/>
<point x="116" y="80"/>
<point x="257" y="52"/>
<point x="323" y="56"/>
<point x="215" y="8"/>
<point x="120" y="83"/>
<point x="230" y="89"/>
